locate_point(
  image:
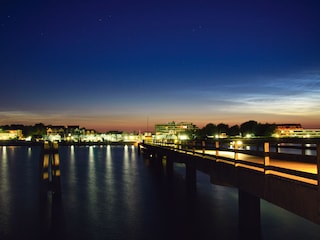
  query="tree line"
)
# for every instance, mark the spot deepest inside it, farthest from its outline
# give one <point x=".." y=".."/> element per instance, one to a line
<point x="38" y="129"/>
<point x="250" y="127"/>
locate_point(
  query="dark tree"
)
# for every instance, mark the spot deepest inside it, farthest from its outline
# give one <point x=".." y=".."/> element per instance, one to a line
<point x="248" y="127"/>
<point x="210" y="129"/>
<point x="265" y="130"/>
<point x="222" y="128"/>
<point x="200" y="134"/>
<point x="234" y="131"/>
<point x="40" y="129"/>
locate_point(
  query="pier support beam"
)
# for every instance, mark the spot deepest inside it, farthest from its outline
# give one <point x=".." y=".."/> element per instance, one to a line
<point x="156" y="161"/>
<point x="191" y="175"/>
<point x="249" y="216"/>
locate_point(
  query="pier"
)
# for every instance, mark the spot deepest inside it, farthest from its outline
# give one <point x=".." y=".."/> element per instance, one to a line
<point x="290" y="181"/>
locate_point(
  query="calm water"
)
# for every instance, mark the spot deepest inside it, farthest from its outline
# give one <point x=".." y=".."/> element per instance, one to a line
<point x="112" y="193"/>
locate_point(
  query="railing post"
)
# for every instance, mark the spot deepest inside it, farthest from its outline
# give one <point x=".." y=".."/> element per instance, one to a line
<point x="266" y="149"/>
<point x="217" y="149"/>
<point x="236" y="147"/>
<point x="277" y="147"/>
<point x="303" y="148"/>
<point x="203" y="147"/>
<point x="193" y="147"/>
<point x="318" y="164"/>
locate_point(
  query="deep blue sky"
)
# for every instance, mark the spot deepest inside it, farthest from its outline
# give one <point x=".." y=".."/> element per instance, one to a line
<point x="120" y="64"/>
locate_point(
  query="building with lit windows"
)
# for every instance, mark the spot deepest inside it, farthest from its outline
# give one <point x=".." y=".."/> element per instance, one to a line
<point x="295" y="130"/>
<point x="10" y="134"/>
<point x="174" y="132"/>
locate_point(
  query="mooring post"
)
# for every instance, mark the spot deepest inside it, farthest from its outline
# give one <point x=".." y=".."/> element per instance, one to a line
<point x="50" y="169"/>
<point x="56" y="174"/>
<point x="45" y="168"/>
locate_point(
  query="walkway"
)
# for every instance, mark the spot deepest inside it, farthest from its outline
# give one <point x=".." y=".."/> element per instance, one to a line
<point x="244" y="159"/>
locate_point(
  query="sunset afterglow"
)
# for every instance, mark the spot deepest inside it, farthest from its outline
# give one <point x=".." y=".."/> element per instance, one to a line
<point x="125" y="65"/>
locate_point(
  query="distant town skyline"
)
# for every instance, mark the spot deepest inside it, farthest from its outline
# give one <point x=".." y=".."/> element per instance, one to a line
<point x="153" y="127"/>
<point x="128" y="65"/>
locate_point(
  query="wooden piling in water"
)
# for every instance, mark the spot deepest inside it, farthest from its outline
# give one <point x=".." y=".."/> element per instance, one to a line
<point x="50" y="168"/>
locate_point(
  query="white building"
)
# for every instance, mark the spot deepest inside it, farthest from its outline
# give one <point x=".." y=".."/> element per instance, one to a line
<point x="173" y="132"/>
<point x="10" y="135"/>
<point x="295" y="130"/>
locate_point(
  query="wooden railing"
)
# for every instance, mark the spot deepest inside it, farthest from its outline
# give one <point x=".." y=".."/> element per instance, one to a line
<point x="295" y="159"/>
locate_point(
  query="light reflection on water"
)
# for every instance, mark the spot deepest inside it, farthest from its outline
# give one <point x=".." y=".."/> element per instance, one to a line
<point x="5" y="209"/>
<point x="19" y="176"/>
<point x="109" y="193"/>
<point x="29" y="152"/>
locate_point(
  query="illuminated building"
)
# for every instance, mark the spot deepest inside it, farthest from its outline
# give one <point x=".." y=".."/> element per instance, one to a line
<point x="172" y="132"/>
<point x="295" y="130"/>
<point x="56" y="130"/>
<point x="10" y="134"/>
<point x="307" y="133"/>
<point x="286" y="130"/>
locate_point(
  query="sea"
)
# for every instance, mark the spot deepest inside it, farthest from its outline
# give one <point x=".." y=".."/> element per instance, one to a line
<point x="112" y="192"/>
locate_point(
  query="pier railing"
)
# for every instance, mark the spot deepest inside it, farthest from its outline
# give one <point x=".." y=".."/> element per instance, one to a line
<point x="284" y="173"/>
<point x="294" y="159"/>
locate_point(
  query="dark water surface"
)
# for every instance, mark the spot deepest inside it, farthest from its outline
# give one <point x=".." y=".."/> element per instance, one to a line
<point x="110" y="192"/>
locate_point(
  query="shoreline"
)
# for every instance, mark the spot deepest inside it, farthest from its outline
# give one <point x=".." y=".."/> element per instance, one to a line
<point x="62" y="143"/>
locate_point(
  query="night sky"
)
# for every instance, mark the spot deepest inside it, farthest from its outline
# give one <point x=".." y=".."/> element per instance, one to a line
<point x="127" y="65"/>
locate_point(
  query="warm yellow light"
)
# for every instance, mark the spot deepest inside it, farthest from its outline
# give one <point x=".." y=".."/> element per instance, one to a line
<point x="183" y="137"/>
<point x="248" y="135"/>
<point x="28" y="138"/>
<point x="57" y="173"/>
<point x="45" y="175"/>
<point x="46" y="161"/>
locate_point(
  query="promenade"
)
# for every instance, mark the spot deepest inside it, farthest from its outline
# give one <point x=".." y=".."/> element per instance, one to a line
<point x="287" y="176"/>
<point x="243" y="160"/>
